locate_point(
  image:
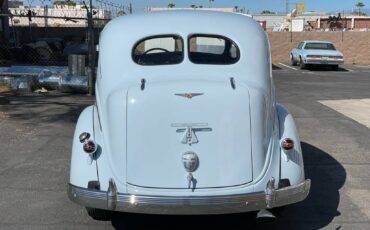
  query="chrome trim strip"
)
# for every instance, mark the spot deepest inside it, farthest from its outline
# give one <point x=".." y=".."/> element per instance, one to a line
<point x="189" y="205"/>
<point x="324" y="62"/>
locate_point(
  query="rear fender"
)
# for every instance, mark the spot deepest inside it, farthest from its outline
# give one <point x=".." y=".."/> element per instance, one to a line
<point x="83" y="166"/>
<point x="292" y="160"/>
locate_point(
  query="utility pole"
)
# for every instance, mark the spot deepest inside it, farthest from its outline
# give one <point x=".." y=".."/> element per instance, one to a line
<point x="209" y="3"/>
<point x="287" y="6"/>
<point x="91" y="68"/>
<point x="130" y="8"/>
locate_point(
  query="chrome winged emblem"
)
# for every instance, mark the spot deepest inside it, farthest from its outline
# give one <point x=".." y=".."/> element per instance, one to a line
<point x="188" y="95"/>
<point x="189" y="130"/>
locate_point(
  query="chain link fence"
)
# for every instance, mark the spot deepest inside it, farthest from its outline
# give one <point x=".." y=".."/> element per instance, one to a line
<point x="47" y="45"/>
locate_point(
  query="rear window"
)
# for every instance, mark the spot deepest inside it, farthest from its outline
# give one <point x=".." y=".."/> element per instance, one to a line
<point x="159" y="50"/>
<point x="319" y="46"/>
<point x="213" y="49"/>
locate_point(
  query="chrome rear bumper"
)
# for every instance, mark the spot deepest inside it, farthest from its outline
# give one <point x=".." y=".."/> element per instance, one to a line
<point x="324" y="62"/>
<point x="189" y="205"/>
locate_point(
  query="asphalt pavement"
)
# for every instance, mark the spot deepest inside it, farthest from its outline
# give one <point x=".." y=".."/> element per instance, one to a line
<point x="35" y="144"/>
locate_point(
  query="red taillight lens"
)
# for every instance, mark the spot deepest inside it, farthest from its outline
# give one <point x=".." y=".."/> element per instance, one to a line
<point x="90" y="147"/>
<point x="287" y="144"/>
<point x="314" y="56"/>
<point x="337" y="57"/>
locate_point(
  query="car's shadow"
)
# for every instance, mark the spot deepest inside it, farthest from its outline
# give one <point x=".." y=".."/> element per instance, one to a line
<point x="317" y="211"/>
<point x="275" y="67"/>
<point x="325" y="68"/>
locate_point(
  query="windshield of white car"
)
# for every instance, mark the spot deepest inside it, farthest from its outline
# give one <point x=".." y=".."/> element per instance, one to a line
<point x="159" y="50"/>
<point x="319" y="46"/>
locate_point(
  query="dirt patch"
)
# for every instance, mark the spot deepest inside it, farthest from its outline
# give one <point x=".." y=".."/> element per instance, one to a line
<point x="4" y="89"/>
<point x="4" y="115"/>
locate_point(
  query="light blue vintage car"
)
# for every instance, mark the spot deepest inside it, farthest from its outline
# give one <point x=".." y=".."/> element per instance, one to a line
<point x="185" y="121"/>
<point x="316" y="53"/>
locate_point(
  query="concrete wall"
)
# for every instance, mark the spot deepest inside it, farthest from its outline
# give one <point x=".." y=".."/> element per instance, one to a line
<point x="272" y="20"/>
<point x="354" y="45"/>
<point x="349" y="23"/>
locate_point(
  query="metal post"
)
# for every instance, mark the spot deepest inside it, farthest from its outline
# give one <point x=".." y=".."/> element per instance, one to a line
<point x="46" y="8"/>
<point x="287" y="6"/>
<point x="29" y="15"/>
<point x="291" y="28"/>
<point x="91" y="72"/>
<point x="5" y="23"/>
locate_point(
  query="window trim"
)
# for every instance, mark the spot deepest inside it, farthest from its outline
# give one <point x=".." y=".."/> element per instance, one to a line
<point x="158" y="36"/>
<point x="300" y="45"/>
<point x="213" y="36"/>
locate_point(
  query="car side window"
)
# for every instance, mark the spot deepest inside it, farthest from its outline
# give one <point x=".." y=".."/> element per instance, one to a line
<point x="159" y="50"/>
<point x="212" y="49"/>
<point x="300" y="45"/>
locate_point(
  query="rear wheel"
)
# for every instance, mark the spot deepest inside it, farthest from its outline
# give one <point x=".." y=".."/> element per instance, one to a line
<point x="335" y="67"/>
<point x="302" y="65"/>
<point x="292" y="61"/>
<point x="99" y="214"/>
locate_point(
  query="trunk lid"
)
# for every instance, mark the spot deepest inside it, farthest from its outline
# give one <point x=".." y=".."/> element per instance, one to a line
<point x="158" y="119"/>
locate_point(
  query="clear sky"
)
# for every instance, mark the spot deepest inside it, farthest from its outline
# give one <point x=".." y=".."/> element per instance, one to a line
<point x="252" y="5"/>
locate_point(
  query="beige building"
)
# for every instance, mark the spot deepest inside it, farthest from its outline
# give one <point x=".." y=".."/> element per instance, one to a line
<point x="77" y="11"/>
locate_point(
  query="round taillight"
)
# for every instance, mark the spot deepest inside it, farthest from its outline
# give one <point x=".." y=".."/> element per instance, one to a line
<point x="90" y="147"/>
<point x="287" y="144"/>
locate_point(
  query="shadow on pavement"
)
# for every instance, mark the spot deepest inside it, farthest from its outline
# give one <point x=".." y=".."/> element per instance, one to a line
<point x="325" y="68"/>
<point x="317" y="211"/>
<point x="44" y="108"/>
<point x="275" y="67"/>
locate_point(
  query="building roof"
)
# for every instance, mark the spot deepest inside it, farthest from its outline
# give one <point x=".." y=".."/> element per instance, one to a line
<point x="317" y="41"/>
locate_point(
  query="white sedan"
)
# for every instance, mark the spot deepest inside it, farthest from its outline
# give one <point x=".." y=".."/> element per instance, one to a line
<point x="316" y="53"/>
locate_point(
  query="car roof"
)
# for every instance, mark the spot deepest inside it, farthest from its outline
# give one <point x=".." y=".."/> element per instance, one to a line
<point x="317" y="41"/>
<point x="186" y="21"/>
<point x="122" y="34"/>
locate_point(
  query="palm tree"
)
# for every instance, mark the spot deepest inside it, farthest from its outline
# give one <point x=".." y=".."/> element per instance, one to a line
<point x="236" y="8"/>
<point x="360" y="5"/>
<point x="171" y="5"/>
<point x="194" y="6"/>
<point x="210" y="1"/>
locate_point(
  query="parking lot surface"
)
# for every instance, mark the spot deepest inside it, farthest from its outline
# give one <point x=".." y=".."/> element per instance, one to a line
<point x="36" y="136"/>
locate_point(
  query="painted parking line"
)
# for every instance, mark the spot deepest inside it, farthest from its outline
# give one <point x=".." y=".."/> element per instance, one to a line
<point x="349" y="70"/>
<point x="356" y="109"/>
<point x="288" y="66"/>
<point x="362" y="66"/>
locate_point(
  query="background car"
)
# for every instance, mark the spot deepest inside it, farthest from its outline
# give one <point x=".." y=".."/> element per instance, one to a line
<point x="316" y="53"/>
